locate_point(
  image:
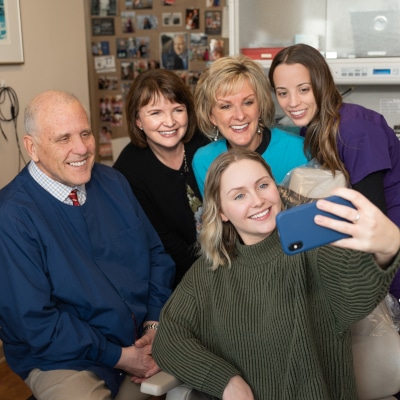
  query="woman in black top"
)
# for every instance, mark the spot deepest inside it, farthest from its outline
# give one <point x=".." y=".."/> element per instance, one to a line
<point x="158" y="161"/>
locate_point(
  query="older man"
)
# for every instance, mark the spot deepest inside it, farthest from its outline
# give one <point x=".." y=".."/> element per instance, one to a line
<point x="83" y="274"/>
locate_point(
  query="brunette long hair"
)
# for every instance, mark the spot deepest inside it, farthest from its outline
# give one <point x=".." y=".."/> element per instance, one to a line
<point x="323" y="130"/>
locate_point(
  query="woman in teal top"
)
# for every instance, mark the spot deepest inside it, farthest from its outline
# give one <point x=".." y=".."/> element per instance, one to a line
<point x="233" y="99"/>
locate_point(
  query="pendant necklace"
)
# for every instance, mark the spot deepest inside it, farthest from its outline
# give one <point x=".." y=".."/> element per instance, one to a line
<point x="185" y="166"/>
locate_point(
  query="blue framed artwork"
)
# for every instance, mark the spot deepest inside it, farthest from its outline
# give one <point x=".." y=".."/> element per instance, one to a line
<point x="11" y="49"/>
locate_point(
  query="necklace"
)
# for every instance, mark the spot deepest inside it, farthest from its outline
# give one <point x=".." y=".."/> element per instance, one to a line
<point x="185" y="166"/>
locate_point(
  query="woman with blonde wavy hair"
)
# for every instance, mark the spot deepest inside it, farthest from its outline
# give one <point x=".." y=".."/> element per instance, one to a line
<point x="234" y="109"/>
<point x="218" y="241"/>
<point x="249" y="322"/>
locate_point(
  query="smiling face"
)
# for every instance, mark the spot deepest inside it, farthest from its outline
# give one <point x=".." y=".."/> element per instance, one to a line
<point x="236" y="116"/>
<point x="179" y="45"/>
<point x="294" y="93"/>
<point x="64" y="146"/>
<point x="164" y="123"/>
<point x="249" y="200"/>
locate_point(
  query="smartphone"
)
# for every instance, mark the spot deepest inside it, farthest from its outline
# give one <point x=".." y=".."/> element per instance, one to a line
<point x="298" y="232"/>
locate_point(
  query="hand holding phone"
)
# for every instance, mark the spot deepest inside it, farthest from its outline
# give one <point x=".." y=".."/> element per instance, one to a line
<point x="298" y="232"/>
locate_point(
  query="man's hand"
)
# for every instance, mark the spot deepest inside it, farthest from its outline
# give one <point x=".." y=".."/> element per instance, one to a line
<point x="138" y="362"/>
<point x="147" y="339"/>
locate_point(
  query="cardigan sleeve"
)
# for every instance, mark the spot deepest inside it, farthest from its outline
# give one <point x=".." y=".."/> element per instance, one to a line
<point x="162" y="271"/>
<point x="162" y="267"/>
<point x="178" y="349"/>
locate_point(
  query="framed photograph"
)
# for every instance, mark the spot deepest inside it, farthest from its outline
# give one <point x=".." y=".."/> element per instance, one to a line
<point x="127" y="47"/>
<point x="105" y="64"/>
<point x="127" y="70"/>
<point x="11" y="50"/>
<point x="143" y="43"/>
<point x="107" y="82"/>
<point x="101" y="48"/>
<point x="174" y="50"/>
<point x="127" y="18"/>
<point x="199" y="49"/>
<point x="192" y="18"/>
<point x="217" y="49"/>
<point x="212" y="3"/>
<point x="137" y="4"/>
<point x="103" y="8"/>
<point x="147" y="21"/>
<point x="102" y="26"/>
<point x="172" y="19"/>
<point x="213" y="21"/>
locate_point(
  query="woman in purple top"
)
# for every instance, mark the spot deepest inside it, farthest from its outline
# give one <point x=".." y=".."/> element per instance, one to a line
<point x="345" y="137"/>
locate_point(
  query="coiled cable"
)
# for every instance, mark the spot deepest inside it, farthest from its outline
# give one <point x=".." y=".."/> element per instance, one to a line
<point x="9" y="110"/>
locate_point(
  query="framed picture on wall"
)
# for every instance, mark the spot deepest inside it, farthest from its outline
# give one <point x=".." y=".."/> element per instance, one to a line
<point x="103" y="8"/>
<point x="172" y="19"/>
<point x="103" y="26"/>
<point x="127" y="18"/>
<point x="213" y="21"/>
<point x="137" y="4"/>
<point x="11" y="50"/>
<point x="147" y="21"/>
<point x="174" y="50"/>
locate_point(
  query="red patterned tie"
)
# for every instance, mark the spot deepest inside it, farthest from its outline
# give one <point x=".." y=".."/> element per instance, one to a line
<point x="73" y="196"/>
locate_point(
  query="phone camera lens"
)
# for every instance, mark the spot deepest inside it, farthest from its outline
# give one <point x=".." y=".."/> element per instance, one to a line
<point x="295" y="246"/>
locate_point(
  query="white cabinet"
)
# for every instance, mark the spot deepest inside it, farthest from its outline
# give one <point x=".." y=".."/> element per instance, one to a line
<point x="271" y="23"/>
<point x="359" y="38"/>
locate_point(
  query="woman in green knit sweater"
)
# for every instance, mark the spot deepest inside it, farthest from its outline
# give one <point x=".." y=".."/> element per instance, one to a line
<point x="249" y="322"/>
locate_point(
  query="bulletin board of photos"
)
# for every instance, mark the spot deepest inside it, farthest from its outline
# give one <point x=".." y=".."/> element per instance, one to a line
<point x="128" y="37"/>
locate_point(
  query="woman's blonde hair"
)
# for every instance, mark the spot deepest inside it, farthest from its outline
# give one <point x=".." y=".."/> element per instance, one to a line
<point x="226" y="76"/>
<point x="217" y="238"/>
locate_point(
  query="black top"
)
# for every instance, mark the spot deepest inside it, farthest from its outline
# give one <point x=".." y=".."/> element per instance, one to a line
<point x="170" y="198"/>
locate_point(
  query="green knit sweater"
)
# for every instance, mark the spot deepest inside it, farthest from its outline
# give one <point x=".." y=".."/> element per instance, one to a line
<point x="281" y="322"/>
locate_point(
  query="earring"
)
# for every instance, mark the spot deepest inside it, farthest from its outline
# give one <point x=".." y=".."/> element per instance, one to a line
<point x="259" y="130"/>
<point x="216" y="133"/>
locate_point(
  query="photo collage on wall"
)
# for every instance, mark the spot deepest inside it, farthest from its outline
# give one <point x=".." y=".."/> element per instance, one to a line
<point x="132" y="36"/>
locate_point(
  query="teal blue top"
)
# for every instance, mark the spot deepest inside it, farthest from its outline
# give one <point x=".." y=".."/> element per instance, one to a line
<point x="283" y="153"/>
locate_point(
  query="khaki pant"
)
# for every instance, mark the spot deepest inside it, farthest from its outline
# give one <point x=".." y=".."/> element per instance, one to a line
<point x="73" y="385"/>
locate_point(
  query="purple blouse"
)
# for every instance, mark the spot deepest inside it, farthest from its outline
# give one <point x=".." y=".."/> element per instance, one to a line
<point x="367" y="144"/>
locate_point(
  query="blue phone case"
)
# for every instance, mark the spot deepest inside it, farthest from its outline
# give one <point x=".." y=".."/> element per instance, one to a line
<point x="298" y="232"/>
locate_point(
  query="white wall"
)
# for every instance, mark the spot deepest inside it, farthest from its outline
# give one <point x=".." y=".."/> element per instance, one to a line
<point x="55" y="53"/>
